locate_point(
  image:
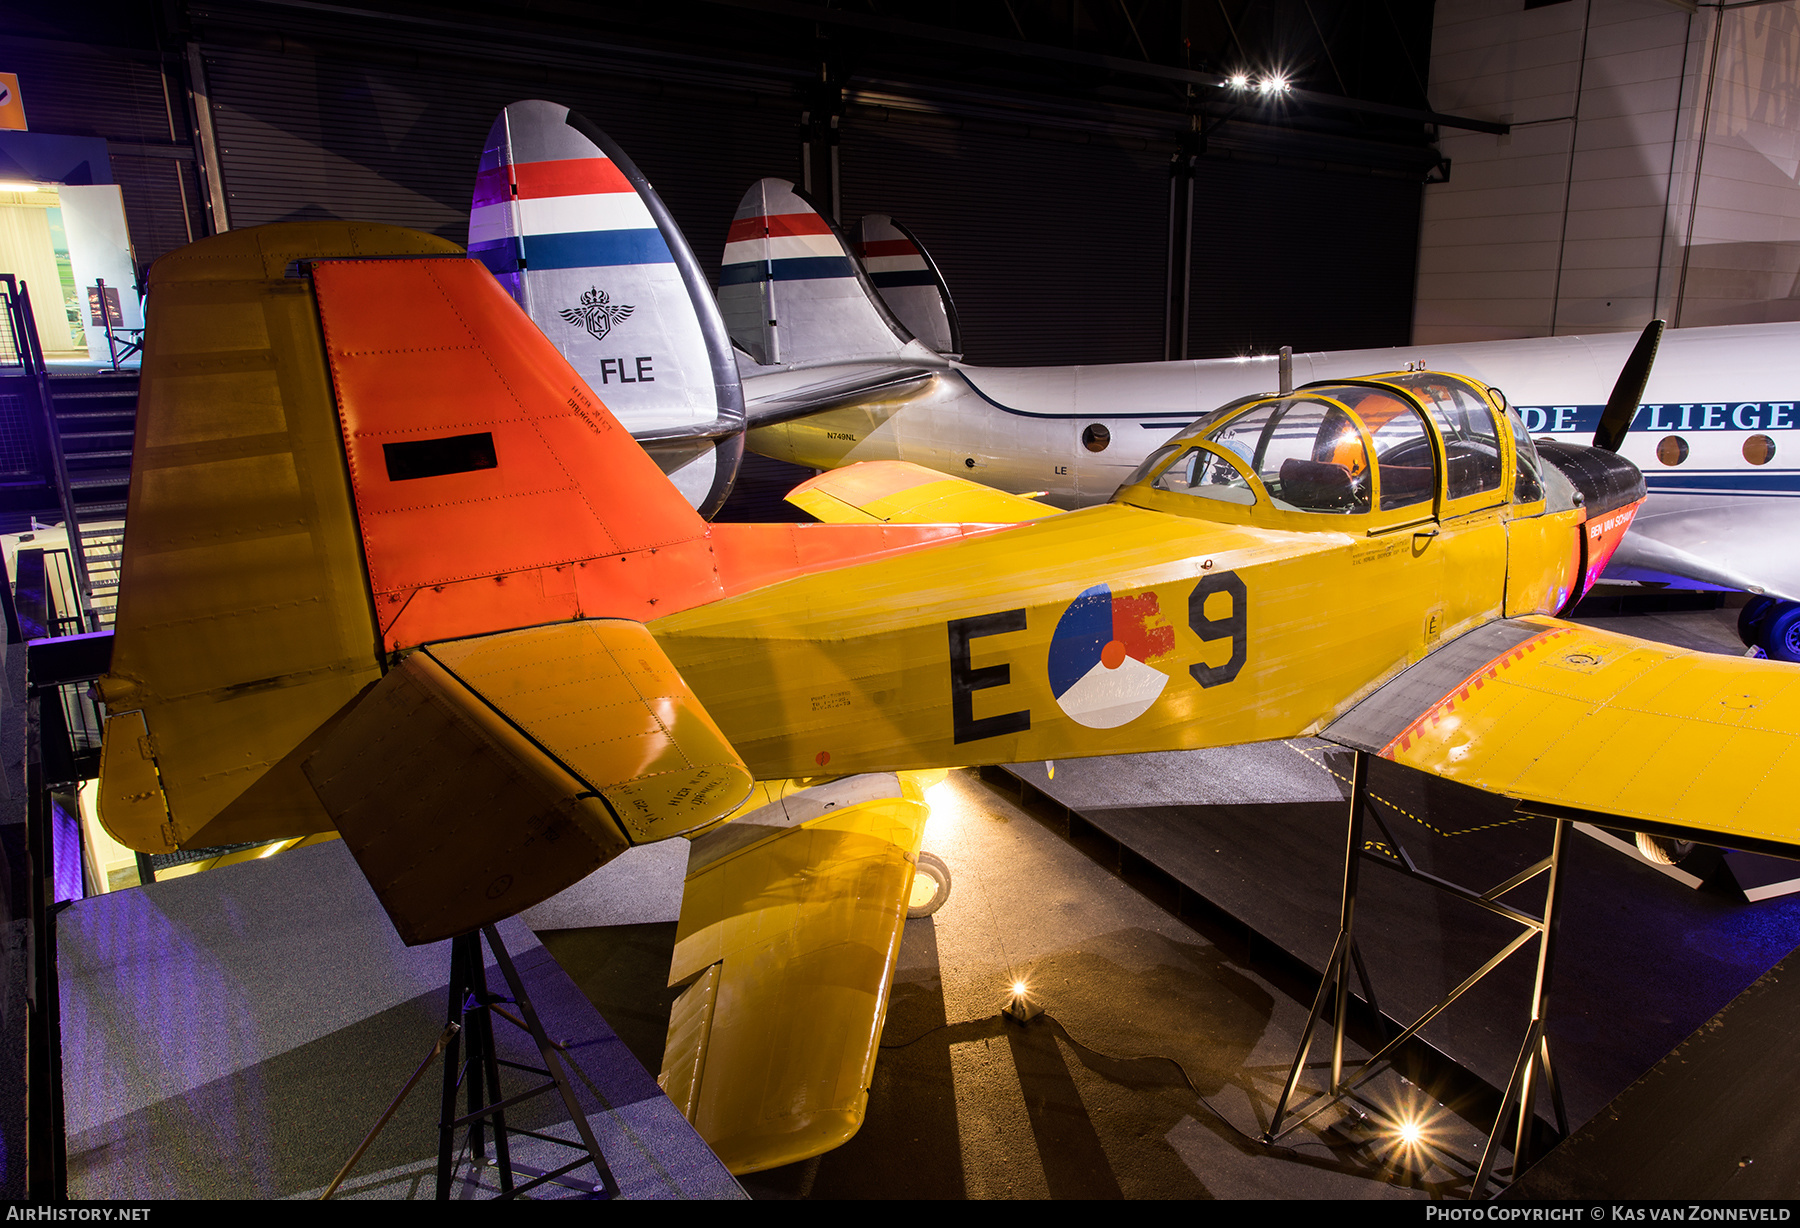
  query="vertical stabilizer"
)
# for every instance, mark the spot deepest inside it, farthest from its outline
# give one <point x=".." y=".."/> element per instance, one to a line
<point x="580" y="239"/>
<point x="909" y="282"/>
<point x="790" y="291"/>
<point x="245" y="627"/>
<point x="351" y="443"/>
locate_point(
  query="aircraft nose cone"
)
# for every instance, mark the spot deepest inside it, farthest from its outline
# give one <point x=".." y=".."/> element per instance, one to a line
<point x="1606" y="480"/>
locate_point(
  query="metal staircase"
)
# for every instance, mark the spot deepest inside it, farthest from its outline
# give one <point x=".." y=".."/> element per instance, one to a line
<point x="65" y="457"/>
<point x="96" y="418"/>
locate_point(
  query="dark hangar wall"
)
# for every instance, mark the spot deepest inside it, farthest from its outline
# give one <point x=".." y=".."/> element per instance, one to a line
<point x="1053" y="249"/>
<point x="113" y="84"/>
<point x="1051" y="227"/>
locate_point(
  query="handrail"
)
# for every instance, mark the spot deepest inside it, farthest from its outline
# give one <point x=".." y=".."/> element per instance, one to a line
<point x="59" y="469"/>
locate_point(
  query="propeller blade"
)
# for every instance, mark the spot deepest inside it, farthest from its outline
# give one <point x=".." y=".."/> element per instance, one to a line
<point x="1628" y="393"/>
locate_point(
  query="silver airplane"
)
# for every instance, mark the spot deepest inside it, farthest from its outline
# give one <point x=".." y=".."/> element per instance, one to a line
<point x="848" y="351"/>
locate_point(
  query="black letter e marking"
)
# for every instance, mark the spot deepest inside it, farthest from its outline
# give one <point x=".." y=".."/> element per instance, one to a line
<point x="966" y="680"/>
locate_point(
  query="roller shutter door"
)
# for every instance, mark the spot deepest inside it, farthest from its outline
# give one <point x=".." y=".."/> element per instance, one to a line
<point x="1054" y="250"/>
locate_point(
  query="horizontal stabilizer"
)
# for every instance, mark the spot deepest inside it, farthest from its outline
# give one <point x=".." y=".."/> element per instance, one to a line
<point x="782" y="395"/>
<point x="133" y="809"/>
<point x="1556" y="714"/>
<point x="899" y="492"/>
<point x="482" y="776"/>
<point x="790" y="926"/>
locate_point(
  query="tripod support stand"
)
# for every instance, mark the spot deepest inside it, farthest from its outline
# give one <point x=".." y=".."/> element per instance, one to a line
<point x="472" y="1007"/>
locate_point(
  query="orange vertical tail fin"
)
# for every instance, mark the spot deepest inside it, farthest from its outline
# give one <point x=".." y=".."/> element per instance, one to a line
<point x="489" y="481"/>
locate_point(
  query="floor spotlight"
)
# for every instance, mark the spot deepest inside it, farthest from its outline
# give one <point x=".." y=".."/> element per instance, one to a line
<point x="1019" y="1005"/>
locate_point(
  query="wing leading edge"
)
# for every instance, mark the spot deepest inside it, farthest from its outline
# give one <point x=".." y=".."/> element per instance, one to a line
<point x="1571" y="718"/>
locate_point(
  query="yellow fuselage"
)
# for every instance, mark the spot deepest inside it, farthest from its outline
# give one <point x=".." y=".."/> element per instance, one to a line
<point x="943" y="655"/>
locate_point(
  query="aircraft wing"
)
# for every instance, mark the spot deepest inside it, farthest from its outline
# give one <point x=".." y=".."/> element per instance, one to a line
<point x="1641" y="556"/>
<point x="899" y="492"/>
<point x="1590" y="724"/>
<point x="790" y="928"/>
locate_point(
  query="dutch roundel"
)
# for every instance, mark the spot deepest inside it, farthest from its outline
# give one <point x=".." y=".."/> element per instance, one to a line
<point x="1097" y="658"/>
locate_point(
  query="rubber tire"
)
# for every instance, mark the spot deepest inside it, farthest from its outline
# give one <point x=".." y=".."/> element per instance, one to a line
<point x="1662" y="850"/>
<point x="1782" y="638"/>
<point x="1754" y="618"/>
<point x="931" y="866"/>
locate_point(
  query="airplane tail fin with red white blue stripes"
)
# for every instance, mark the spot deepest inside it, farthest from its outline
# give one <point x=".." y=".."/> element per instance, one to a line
<point x="909" y="282"/>
<point x="792" y="293"/>
<point x="581" y="241"/>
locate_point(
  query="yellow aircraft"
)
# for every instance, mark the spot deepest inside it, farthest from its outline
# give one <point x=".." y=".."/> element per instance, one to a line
<point x="393" y="569"/>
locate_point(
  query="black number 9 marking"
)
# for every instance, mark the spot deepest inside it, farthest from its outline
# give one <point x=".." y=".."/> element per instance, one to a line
<point x="1209" y="629"/>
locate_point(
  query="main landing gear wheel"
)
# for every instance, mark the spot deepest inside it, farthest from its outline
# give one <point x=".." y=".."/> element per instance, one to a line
<point x="1783" y="640"/>
<point x="1772" y="625"/>
<point x="931" y="886"/>
<point x="1662" y="850"/>
<point x="1753" y="619"/>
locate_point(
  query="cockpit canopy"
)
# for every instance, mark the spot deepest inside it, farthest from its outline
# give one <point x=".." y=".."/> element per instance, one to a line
<point x="1402" y="441"/>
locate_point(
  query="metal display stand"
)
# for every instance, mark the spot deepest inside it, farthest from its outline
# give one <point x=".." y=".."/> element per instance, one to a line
<point x="1519" y="1101"/>
<point x="472" y="1007"/>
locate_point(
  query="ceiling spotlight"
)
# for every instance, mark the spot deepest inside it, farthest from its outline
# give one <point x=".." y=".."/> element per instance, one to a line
<point x="1239" y="81"/>
<point x="1272" y="85"/>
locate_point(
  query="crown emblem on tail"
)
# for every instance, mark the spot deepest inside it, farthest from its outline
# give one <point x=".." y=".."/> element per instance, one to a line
<point x="597" y="313"/>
